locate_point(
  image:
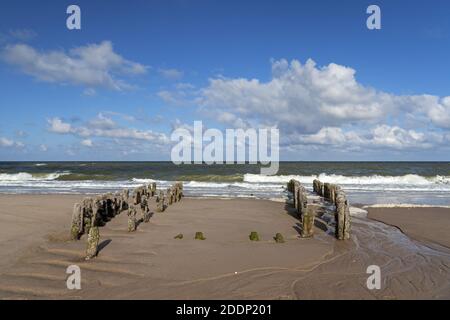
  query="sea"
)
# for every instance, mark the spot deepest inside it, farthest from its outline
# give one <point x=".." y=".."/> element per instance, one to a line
<point x="417" y="183"/>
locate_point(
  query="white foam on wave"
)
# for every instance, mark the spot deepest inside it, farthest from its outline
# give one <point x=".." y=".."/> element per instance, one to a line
<point x="230" y="185"/>
<point x="358" y="212"/>
<point x="25" y="176"/>
<point x="403" y="205"/>
<point x="138" y="180"/>
<point x="409" y="179"/>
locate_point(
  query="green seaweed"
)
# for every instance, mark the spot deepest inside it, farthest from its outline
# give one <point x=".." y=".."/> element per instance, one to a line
<point x="254" y="236"/>
<point x="279" y="238"/>
<point x="199" y="236"/>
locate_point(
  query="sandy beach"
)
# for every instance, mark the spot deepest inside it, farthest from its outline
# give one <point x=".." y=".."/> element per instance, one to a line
<point x="35" y="251"/>
<point x="428" y="225"/>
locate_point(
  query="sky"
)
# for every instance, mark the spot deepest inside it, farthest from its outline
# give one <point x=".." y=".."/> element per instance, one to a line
<point x="116" y="89"/>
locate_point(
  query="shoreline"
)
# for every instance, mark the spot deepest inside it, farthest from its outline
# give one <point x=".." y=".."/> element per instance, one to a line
<point x="150" y="264"/>
<point x="363" y="206"/>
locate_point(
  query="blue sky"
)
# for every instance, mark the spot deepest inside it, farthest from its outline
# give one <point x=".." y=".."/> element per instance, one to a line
<point x="116" y="89"/>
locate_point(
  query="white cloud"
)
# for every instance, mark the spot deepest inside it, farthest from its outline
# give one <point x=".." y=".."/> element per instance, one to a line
<point x="326" y="106"/>
<point x="93" y="65"/>
<point x="303" y="97"/>
<point x="89" y="92"/>
<point x="56" y="125"/>
<point x="43" y="148"/>
<point x="8" y="143"/>
<point x="87" y="143"/>
<point x="171" y="74"/>
<point x="105" y="127"/>
<point x="381" y="136"/>
<point x="169" y="97"/>
<point x="439" y="113"/>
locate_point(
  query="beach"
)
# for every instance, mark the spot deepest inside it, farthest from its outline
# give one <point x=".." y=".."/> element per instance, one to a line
<point x="35" y="251"/>
<point x="421" y="223"/>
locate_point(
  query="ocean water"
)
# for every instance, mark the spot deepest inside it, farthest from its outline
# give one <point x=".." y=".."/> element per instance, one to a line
<point x="423" y="183"/>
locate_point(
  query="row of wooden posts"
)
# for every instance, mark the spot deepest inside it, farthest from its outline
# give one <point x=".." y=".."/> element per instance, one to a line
<point x="94" y="212"/>
<point x="330" y="192"/>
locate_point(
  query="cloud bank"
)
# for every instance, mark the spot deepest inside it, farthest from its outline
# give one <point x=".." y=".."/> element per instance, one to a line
<point x="93" y="65"/>
<point x="326" y="106"/>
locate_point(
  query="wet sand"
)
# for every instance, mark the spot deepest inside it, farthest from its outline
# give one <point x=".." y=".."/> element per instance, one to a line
<point x="429" y="225"/>
<point x="150" y="264"/>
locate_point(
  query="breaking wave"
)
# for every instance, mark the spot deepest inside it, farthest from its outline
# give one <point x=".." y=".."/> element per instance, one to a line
<point x="409" y="179"/>
<point x="24" y="176"/>
<point x="368" y="189"/>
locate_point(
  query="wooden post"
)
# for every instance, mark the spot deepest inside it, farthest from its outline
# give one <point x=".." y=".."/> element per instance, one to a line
<point x="342" y="217"/>
<point x="308" y="223"/>
<point x="76" y="228"/>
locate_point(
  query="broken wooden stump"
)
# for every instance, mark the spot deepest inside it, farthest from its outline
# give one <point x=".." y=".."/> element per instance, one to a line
<point x="199" y="236"/>
<point x="279" y="238"/>
<point x="76" y="229"/>
<point x="254" y="236"/>
<point x="132" y="222"/>
<point x="93" y="239"/>
<point x="342" y="216"/>
<point x="307" y="223"/>
<point x="160" y="205"/>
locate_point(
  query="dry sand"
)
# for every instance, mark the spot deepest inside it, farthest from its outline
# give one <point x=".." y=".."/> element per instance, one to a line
<point x="151" y="264"/>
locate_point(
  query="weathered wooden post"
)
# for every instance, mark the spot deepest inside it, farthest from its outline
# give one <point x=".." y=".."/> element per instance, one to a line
<point x="125" y="196"/>
<point x="153" y="189"/>
<point x="137" y="197"/>
<point x="76" y="229"/>
<point x="144" y="208"/>
<point x="317" y="187"/>
<point x="342" y="216"/>
<point x="308" y="222"/>
<point x="160" y="202"/>
<point x="87" y="214"/>
<point x="132" y="223"/>
<point x="170" y="195"/>
<point x="326" y="190"/>
<point x="295" y="191"/>
<point x="303" y="200"/>
<point x="93" y="238"/>
<point x="180" y="190"/>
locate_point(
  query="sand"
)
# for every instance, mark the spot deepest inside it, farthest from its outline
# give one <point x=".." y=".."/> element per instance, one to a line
<point x="150" y="264"/>
<point x="429" y="225"/>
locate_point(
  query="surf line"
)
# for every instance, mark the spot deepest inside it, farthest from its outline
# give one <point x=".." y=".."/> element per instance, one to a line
<point x="187" y="310"/>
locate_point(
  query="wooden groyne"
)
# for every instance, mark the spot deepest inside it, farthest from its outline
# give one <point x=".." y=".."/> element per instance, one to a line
<point x="332" y="194"/>
<point x="94" y="212"/>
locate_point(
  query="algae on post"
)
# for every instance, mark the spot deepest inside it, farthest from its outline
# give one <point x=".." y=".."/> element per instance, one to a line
<point x="254" y="236"/>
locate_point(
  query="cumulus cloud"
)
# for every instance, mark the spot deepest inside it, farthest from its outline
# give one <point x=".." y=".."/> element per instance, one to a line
<point x="56" y="125"/>
<point x="302" y="97"/>
<point x="104" y="127"/>
<point x="171" y="74"/>
<point x="93" y="65"/>
<point x="326" y="106"/>
<point x="8" y="143"/>
<point x="87" y="143"/>
<point x="381" y="136"/>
